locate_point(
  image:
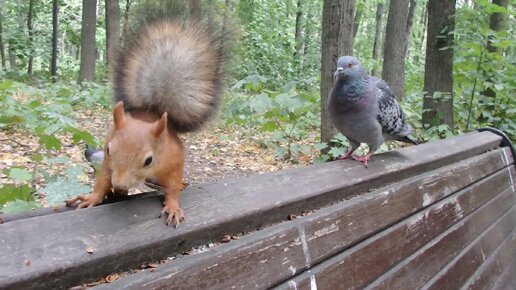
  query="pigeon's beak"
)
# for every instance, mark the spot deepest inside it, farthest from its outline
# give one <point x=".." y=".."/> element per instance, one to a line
<point x="338" y="71"/>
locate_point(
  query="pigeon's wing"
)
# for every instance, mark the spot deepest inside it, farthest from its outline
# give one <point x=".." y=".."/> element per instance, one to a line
<point x="390" y="114"/>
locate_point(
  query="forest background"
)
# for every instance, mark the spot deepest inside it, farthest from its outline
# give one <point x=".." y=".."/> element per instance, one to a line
<point x="451" y="64"/>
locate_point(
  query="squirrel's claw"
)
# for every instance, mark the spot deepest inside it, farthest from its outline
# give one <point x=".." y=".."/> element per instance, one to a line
<point x="175" y="215"/>
<point x="85" y="200"/>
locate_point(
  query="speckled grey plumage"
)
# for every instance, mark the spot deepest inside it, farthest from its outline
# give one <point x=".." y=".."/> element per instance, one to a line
<point x="364" y="109"/>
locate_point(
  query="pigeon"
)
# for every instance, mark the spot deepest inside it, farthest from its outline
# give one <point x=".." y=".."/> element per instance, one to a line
<point x="363" y="108"/>
<point x="93" y="155"/>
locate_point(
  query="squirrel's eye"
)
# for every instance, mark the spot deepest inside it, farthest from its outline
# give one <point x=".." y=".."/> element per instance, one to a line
<point x="350" y="65"/>
<point x="148" y="161"/>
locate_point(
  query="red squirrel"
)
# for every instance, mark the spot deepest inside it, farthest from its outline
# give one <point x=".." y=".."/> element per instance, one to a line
<point x="166" y="81"/>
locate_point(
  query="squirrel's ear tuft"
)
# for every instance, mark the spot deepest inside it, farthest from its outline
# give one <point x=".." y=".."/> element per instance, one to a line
<point x="119" y="115"/>
<point x="161" y="125"/>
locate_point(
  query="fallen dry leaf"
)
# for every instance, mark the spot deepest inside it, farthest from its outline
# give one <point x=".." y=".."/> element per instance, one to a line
<point x="112" y="277"/>
<point x="225" y="239"/>
<point x="291" y="217"/>
<point x="89" y="249"/>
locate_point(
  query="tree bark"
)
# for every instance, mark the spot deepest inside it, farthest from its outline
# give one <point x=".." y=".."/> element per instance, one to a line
<point x="356" y="22"/>
<point x="377" y="32"/>
<point x="2" y="48"/>
<point x="112" y="31"/>
<point x="410" y="23"/>
<point x="423" y="24"/>
<point x="438" y="83"/>
<point x="336" y="40"/>
<point x="195" y="10"/>
<point x="87" y="70"/>
<point x="53" y="62"/>
<point x="298" y="33"/>
<point x="29" y="29"/>
<point x="125" y="25"/>
<point x="394" y="47"/>
<point x="497" y="22"/>
<point x="12" y="56"/>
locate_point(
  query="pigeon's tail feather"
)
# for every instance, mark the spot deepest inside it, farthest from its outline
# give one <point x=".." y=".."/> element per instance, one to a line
<point x="408" y="139"/>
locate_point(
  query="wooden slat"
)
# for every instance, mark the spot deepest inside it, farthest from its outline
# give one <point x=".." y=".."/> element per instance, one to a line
<point x="508" y="278"/>
<point x="5" y="218"/>
<point x="127" y="234"/>
<point x="425" y="263"/>
<point x="370" y="258"/>
<point x="262" y="259"/>
<point x="391" y="166"/>
<point x="458" y="271"/>
<point x="485" y="277"/>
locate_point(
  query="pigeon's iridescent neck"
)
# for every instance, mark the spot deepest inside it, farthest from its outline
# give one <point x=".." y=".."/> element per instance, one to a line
<point x="350" y="89"/>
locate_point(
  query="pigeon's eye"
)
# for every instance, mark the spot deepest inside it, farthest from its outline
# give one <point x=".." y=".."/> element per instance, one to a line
<point x="350" y="65"/>
<point x="148" y="161"/>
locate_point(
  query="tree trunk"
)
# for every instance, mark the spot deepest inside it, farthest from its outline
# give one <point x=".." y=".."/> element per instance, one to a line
<point x="438" y="87"/>
<point x="195" y="10"/>
<point x="394" y="47"/>
<point x="125" y="25"/>
<point x="377" y="32"/>
<point x="12" y="55"/>
<point x="2" y="48"/>
<point x="53" y="63"/>
<point x="497" y="22"/>
<point x="29" y="29"/>
<point x="87" y="70"/>
<point x="422" y="32"/>
<point x="410" y="22"/>
<point x="298" y="34"/>
<point x="356" y="22"/>
<point x="112" y="31"/>
<point x="336" y="40"/>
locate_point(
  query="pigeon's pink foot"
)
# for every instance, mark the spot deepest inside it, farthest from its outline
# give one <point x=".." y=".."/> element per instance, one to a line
<point x="346" y="156"/>
<point x="364" y="159"/>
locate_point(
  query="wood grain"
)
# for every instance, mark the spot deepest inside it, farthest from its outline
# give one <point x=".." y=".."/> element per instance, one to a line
<point x="461" y="268"/>
<point x="127" y="234"/>
<point x="328" y="231"/>
<point x="372" y="257"/>
<point x="486" y="276"/>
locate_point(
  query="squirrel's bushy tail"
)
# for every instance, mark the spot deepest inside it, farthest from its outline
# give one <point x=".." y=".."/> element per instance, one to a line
<point x="174" y="68"/>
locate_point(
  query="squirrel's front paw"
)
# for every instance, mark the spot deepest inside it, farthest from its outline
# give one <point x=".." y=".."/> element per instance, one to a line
<point x="175" y="213"/>
<point x="86" y="200"/>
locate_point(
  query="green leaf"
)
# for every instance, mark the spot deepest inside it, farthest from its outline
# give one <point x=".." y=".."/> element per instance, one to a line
<point x="337" y="151"/>
<point x="320" y="146"/>
<point x="72" y="172"/>
<point x="60" y="190"/>
<point x="56" y="160"/>
<point x="50" y="142"/>
<point x="321" y="159"/>
<point x="260" y="104"/>
<point x="9" y="192"/>
<point x="36" y="157"/>
<point x="19" y="174"/>
<point x="79" y="136"/>
<point x="269" y="126"/>
<point x="6" y="84"/>
<point x="19" y="206"/>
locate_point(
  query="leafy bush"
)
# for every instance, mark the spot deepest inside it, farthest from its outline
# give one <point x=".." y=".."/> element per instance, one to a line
<point x="288" y="114"/>
<point x="45" y="113"/>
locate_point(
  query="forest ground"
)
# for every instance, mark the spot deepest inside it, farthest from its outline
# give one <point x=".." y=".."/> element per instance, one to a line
<point x="214" y="153"/>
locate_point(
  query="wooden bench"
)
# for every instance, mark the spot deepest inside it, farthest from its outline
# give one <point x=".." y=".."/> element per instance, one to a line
<point x="441" y="215"/>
